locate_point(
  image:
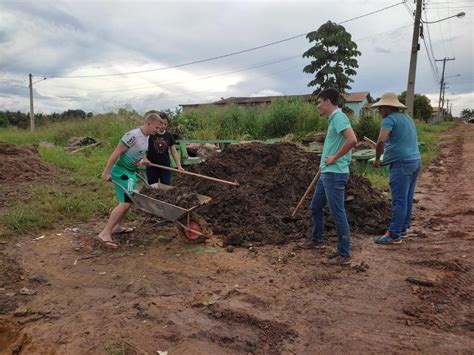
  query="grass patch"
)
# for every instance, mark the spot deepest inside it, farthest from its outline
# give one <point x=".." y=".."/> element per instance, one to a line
<point x="428" y="135"/>
<point x="378" y="177"/>
<point x="50" y="205"/>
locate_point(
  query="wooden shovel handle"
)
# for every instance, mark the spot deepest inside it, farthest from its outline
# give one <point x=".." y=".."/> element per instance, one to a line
<point x="193" y="174"/>
<point x="367" y="139"/>
<point x="313" y="182"/>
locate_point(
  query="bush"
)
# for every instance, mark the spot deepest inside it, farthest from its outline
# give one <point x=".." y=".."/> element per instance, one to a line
<point x="278" y="119"/>
<point x="369" y="126"/>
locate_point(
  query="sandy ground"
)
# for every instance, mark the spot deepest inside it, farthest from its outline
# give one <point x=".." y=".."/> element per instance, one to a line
<point x="167" y="295"/>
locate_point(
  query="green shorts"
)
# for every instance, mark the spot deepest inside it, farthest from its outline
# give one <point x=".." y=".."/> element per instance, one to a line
<point x="125" y="178"/>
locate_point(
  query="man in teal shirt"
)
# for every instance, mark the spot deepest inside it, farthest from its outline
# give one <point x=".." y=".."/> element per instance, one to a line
<point x="334" y="166"/>
<point x="398" y="142"/>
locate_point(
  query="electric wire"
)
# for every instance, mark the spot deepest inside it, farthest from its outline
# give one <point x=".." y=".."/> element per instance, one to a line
<point x="449" y="29"/>
<point x="213" y="58"/>
<point x="241" y="69"/>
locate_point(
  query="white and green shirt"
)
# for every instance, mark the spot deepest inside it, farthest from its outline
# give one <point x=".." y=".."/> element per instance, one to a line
<point x="137" y="143"/>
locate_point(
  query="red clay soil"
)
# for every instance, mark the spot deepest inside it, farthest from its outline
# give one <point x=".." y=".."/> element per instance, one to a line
<point x="166" y="295"/>
<point x="273" y="178"/>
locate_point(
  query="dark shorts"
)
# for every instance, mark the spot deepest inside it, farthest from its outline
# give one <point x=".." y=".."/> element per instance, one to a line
<point x="155" y="175"/>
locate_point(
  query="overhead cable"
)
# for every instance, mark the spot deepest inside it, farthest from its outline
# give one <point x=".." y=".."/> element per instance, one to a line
<point x="216" y="57"/>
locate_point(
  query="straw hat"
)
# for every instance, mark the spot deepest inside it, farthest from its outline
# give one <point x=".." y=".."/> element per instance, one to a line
<point x="389" y="99"/>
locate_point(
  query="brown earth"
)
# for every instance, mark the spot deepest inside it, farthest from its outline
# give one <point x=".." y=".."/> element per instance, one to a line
<point x="21" y="166"/>
<point x="272" y="179"/>
<point x="166" y="295"/>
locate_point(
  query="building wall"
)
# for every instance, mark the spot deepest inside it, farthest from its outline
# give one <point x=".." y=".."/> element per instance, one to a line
<point x="356" y="107"/>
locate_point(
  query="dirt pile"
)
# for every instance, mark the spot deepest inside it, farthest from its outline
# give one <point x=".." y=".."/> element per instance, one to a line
<point x="23" y="163"/>
<point x="272" y="179"/>
<point x="176" y="197"/>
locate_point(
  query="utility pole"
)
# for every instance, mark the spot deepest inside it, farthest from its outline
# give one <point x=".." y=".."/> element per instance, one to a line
<point x="414" y="53"/>
<point x="440" y="109"/>
<point x="444" y="91"/>
<point x="32" y="113"/>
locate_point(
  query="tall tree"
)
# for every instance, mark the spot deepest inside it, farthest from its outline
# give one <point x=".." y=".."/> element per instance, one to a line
<point x="334" y="58"/>
<point x="421" y="106"/>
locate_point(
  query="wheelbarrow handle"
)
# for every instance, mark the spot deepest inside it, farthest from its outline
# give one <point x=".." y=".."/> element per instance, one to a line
<point x="143" y="178"/>
<point x="125" y="191"/>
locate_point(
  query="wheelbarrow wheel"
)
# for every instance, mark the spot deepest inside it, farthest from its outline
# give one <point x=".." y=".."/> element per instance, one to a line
<point x="195" y="224"/>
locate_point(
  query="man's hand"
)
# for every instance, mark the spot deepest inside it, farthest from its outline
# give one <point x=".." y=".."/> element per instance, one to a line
<point x="106" y="176"/>
<point x="145" y="161"/>
<point x="330" y="160"/>
<point x="180" y="167"/>
<point x="376" y="163"/>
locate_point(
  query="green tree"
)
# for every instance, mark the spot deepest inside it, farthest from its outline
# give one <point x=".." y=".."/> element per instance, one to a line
<point x="422" y="108"/>
<point x="467" y="114"/>
<point x="333" y="58"/>
<point x="3" y="119"/>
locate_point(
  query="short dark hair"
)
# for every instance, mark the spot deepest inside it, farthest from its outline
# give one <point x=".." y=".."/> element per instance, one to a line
<point x="330" y="94"/>
<point x="164" y="116"/>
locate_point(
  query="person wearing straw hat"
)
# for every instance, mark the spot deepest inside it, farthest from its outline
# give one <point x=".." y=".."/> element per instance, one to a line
<point x="398" y="142"/>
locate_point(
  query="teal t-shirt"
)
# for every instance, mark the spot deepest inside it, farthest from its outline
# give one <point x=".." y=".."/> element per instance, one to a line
<point x="338" y="122"/>
<point x="402" y="142"/>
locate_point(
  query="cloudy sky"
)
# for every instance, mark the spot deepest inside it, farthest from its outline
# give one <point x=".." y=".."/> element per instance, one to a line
<point x="84" y="47"/>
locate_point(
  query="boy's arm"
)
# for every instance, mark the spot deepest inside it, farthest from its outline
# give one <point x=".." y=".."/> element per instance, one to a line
<point x="121" y="148"/>
<point x="176" y="157"/>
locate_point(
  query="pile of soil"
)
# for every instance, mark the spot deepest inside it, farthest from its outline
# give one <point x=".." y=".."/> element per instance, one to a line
<point x="23" y="163"/>
<point x="181" y="198"/>
<point x="273" y="177"/>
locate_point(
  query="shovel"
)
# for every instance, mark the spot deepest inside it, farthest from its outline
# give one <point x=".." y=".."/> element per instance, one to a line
<point x="194" y="174"/>
<point x="308" y="189"/>
<point x="368" y="140"/>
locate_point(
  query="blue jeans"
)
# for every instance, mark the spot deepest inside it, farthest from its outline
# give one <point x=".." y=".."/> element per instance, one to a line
<point x="402" y="181"/>
<point x="330" y="189"/>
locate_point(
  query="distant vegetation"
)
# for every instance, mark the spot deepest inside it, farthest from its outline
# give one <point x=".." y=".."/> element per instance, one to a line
<point x="22" y="120"/>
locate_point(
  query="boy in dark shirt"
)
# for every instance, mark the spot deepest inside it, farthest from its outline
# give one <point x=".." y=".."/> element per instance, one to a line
<point x="159" y="146"/>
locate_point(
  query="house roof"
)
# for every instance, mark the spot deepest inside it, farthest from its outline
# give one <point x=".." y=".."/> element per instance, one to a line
<point x="358" y="96"/>
<point x="259" y="99"/>
<point x="350" y="97"/>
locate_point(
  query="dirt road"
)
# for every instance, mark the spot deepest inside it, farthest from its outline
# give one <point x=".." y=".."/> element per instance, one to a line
<point x="165" y="295"/>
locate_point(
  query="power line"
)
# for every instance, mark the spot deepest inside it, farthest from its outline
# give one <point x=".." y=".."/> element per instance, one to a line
<point x="241" y="69"/>
<point x="217" y="57"/>
<point x="449" y="28"/>
<point x="432" y="66"/>
<point x="204" y="77"/>
<point x="427" y="28"/>
<point x="430" y="52"/>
